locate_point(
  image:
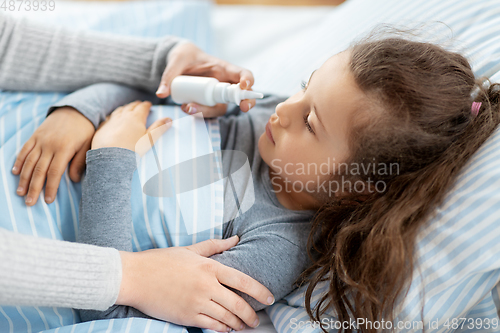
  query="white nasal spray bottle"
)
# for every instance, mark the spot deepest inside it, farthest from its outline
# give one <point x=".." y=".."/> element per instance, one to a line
<point x="208" y="91"/>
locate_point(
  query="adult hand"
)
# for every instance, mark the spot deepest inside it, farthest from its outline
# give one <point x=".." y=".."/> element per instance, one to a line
<point x="181" y="285"/>
<point x="187" y="59"/>
<point x="64" y="136"/>
<point x="126" y="125"/>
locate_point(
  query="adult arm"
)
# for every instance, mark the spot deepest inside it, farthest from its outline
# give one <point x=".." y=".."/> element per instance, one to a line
<point x="35" y="56"/>
<point x="45" y="272"/>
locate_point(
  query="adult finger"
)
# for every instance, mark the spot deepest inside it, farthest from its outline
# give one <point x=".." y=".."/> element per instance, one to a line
<point x="27" y="170"/>
<point x="220" y="313"/>
<point x="38" y="178"/>
<point x="246" y="79"/>
<point x="235" y="74"/>
<point x="204" y="321"/>
<point x="235" y="279"/>
<point x="21" y="157"/>
<point x="213" y="246"/>
<point x="247" y="104"/>
<point x="175" y="67"/>
<point x="54" y="175"/>
<point x="236" y="305"/>
<point x="77" y="166"/>
<point x="207" y="111"/>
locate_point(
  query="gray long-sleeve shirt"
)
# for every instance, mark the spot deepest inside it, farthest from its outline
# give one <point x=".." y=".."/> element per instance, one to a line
<point x="38" y="57"/>
<point x="272" y="247"/>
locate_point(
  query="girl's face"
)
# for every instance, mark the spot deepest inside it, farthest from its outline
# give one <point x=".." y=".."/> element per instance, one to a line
<point x="310" y="134"/>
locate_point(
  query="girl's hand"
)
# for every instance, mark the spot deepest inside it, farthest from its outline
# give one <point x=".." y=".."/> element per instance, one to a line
<point x="64" y="136"/>
<point x="187" y="59"/>
<point x="181" y="285"/>
<point x="126" y="125"/>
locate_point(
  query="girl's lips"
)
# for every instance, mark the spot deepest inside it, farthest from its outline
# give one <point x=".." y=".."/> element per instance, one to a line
<point x="269" y="133"/>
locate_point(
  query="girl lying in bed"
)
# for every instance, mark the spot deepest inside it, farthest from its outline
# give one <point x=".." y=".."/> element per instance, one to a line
<point x="393" y="120"/>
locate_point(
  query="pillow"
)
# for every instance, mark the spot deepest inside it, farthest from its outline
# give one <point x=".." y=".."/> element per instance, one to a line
<point x="22" y="113"/>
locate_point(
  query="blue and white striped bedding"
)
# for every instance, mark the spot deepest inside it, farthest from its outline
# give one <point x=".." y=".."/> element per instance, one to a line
<point x="459" y="250"/>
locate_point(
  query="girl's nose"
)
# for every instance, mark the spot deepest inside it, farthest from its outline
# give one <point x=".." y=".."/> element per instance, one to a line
<point x="283" y="113"/>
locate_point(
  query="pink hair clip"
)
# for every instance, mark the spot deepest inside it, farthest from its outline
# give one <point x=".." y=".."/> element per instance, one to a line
<point x="475" y="108"/>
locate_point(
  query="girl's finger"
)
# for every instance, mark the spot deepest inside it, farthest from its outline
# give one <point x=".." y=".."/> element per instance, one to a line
<point x="207" y="111"/>
<point x="247" y="104"/>
<point x="153" y="133"/>
<point x="220" y="313"/>
<point x="131" y="106"/>
<point x="38" y="178"/>
<point x="27" y="170"/>
<point x="27" y="147"/>
<point x="143" y="109"/>
<point x="158" y="128"/>
<point x="161" y="125"/>
<point x="76" y="167"/>
<point x="204" y="321"/>
<point x="54" y="174"/>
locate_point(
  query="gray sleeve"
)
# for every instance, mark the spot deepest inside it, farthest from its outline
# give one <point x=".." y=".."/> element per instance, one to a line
<point x="97" y="101"/>
<point x="106" y="212"/>
<point x="271" y="255"/>
<point x="41" y="57"/>
<point x="38" y="271"/>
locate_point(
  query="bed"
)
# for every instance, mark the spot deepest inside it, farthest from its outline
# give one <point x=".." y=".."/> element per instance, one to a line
<point x="282" y="46"/>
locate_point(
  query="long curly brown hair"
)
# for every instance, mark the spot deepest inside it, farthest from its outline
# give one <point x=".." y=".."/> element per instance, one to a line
<point x="364" y="245"/>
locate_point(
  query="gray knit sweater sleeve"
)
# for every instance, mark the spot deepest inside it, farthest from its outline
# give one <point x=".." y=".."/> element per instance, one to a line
<point x="45" y="272"/>
<point x="40" y="57"/>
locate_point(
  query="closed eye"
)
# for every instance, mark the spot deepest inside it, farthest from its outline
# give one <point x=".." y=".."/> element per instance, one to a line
<point x="303" y="85"/>
<point x="307" y="123"/>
